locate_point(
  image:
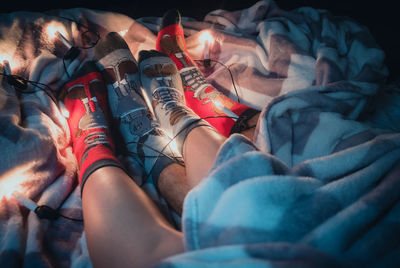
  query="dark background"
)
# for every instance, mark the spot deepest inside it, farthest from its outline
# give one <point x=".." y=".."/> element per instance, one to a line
<point x="382" y="17"/>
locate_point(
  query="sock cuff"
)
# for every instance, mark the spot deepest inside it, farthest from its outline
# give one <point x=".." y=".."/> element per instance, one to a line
<point x="159" y="166"/>
<point x="184" y="132"/>
<point x="97" y="157"/>
<point x="95" y="166"/>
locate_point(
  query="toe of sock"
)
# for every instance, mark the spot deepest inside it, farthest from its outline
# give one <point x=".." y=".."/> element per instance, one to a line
<point x="171" y="17"/>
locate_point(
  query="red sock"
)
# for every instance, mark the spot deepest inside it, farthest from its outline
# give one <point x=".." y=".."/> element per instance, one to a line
<point x="86" y="101"/>
<point x="204" y="99"/>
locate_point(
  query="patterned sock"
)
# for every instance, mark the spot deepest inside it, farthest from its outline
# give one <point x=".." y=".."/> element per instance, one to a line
<point x="86" y="102"/>
<point x="141" y="134"/>
<point x="161" y="79"/>
<point x="201" y="97"/>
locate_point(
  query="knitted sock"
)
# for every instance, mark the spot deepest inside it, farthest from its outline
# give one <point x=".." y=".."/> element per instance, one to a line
<point x="161" y="79"/>
<point x="86" y="102"/>
<point x="204" y="99"/>
<point x="142" y="136"/>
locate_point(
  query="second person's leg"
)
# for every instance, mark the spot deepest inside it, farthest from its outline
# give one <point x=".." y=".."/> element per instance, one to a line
<point x="123" y="227"/>
<point x="197" y="140"/>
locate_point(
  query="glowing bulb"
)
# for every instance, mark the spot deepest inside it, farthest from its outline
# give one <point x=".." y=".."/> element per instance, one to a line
<point x="122" y="33"/>
<point x="54" y="27"/>
<point x="225" y="110"/>
<point x="7" y="68"/>
<point x="206" y="38"/>
<point x="63" y="109"/>
<point x="6" y="59"/>
<point x="26" y="202"/>
<point x="57" y="31"/>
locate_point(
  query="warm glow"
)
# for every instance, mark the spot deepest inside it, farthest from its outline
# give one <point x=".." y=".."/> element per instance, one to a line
<point x="206" y="36"/>
<point x="174" y="147"/>
<point x="55" y="27"/>
<point x="63" y="109"/>
<point x="4" y="57"/>
<point x="225" y="110"/>
<point x="13" y="63"/>
<point x="24" y="201"/>
<point x="217" y="104"/>
<point x="122" y="33"/>
<point x="12" y="180"/>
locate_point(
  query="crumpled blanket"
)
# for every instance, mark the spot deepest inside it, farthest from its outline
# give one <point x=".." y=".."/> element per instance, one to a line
<point x="320" y="188"/>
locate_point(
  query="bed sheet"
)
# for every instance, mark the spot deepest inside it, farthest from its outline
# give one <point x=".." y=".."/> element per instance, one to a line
<point x="322" y="183"/>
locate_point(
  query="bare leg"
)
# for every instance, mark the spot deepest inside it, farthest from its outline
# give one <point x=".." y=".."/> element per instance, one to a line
<point x="200" y="149"/>
<point x="123" y="227"/>
<point x="174" y="186"/>
<point x="201" y="144"/>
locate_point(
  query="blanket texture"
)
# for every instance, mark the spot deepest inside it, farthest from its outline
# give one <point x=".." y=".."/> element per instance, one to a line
<point x="321" y="186"/>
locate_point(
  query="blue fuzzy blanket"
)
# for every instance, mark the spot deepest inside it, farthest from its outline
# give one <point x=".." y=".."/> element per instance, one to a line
<point x="318" y="186"/>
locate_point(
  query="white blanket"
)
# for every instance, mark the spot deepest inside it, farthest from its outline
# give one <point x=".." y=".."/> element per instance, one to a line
<point x="321" y="185"/>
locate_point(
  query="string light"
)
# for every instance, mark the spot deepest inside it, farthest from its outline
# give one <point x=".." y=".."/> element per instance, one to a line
<point x="225" y="110"/>
<point x="55" y="30"/>
<point x="58" y="32"/>
<point x="63" y="40"/>
<point x="63" y="109"/>
<point x="26" y="202"/>
<point x="7" y="68"/>
<point x="207" y="39"/>
<point x="21" y="85"/>
<point x="13" y="80"/>
<point x="84" y="33"/>
<point x="42" y="211"/>
<point x="13" y="63"/>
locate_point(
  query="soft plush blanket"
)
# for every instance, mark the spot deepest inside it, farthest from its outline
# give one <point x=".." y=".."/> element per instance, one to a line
<point x="321" y="185"/>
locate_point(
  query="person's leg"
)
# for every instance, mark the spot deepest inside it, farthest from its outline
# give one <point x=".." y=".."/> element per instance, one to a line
<point x="143" y="139"/>
<point x="174" y="186"/>
<point x="122" y="226"/>
<point x="204" y="99"/>
<point x="197" y="140"/>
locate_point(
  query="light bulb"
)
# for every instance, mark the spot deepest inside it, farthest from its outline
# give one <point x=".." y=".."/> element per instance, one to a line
<point x="206" y="38"/>
<point x="57" y="31"/>
<point x="63" y="109"/>
<point x="26" y="202"/>
<point x="7" y="68"/>
<point x="225" y="110"/>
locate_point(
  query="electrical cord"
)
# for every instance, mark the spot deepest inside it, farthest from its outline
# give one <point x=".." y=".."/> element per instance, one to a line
<point x="74" y="51"/>
<point x="88" y="30"/>
<point x="21" y="84"/>
<point x="207" y="63"/>
<point x="48" y="213"/>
